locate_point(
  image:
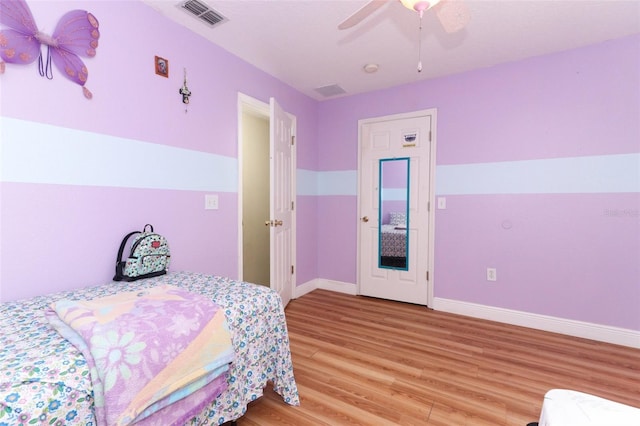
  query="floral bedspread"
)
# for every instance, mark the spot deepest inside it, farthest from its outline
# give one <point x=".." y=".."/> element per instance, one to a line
<point x="59" y="391"/>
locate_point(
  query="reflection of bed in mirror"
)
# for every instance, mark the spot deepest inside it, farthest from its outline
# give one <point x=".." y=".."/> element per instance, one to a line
<point x="393" y="241"/>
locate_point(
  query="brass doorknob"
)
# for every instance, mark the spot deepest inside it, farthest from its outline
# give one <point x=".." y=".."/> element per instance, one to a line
<point x="365" y="219"/>
<point x="278" y="223"/>
<point x="267" y="222"/>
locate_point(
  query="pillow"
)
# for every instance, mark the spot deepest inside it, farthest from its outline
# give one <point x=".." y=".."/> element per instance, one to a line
<point x="398" y="218"/>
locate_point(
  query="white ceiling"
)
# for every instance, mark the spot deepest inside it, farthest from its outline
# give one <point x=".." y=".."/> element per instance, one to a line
<point x="297" y="41"/>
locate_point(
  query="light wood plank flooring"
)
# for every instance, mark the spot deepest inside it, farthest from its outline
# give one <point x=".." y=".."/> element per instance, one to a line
<point x="364" y="361"/>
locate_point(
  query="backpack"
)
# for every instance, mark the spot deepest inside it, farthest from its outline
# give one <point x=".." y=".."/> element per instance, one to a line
<point x="149" y="256"/>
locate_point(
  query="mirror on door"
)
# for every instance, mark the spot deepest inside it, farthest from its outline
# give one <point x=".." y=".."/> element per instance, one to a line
<point x="393" y="241"/>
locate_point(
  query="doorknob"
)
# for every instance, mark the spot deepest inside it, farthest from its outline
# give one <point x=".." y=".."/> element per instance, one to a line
<point x="365" y="219"/>
<point x="268" y="222"/>
<point x="278" y="223"/>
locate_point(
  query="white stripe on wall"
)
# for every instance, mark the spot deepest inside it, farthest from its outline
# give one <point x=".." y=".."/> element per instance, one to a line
<point x="594" y="174"/>
<point x="394" y="194"/>
<point x="343" y="182"/>
<point x="41" y="153"/>
<point x="306" y="182"/>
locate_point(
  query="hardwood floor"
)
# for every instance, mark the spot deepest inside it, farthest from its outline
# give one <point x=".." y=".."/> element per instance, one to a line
<point x="367" y="361"/>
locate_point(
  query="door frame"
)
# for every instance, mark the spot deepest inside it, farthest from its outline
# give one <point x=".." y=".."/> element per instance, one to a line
<point x="262" y="109"/>
<point x="432" y="190"/>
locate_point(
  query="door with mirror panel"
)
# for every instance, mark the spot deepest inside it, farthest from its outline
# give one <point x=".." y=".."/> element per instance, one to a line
<point x="394" y="194"/>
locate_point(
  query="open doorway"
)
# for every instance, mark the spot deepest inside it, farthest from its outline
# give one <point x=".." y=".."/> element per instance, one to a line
<point x="255" y="197"/>
<point x="266" y="195"/>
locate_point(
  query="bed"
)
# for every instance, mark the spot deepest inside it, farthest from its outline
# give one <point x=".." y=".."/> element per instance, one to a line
<point x="393" y="241"/>
<point x="44" y="379"/>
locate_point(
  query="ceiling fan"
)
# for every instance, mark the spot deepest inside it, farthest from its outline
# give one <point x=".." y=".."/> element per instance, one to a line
<point x="452" y="14"/>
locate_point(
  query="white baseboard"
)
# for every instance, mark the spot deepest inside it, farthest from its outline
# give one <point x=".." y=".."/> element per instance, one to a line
<point x="337" y="286"/>
<point x="602" y="333"/>
<point x="305" y="288"/>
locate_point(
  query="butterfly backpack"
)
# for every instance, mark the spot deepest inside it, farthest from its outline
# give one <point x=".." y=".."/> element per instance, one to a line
<point x="75" y="35"/>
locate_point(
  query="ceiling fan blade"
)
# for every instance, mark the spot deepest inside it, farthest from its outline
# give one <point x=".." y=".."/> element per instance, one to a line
<point x="453" y="15"/>
<point x="361" y="14"/>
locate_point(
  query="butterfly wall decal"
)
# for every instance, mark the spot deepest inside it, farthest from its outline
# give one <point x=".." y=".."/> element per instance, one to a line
<point x="75" y="35"/>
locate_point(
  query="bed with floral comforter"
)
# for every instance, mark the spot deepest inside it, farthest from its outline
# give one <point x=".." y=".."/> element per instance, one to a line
<point x="44" y="379"/>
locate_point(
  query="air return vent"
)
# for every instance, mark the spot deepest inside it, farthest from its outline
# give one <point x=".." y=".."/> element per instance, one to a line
<point x="330" y="90"/>
<point x="203" y="12"/>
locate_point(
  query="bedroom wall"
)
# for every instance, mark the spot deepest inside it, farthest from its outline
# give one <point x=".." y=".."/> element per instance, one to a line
<point x="78" y="174"/>
<point x="539" y="162"/>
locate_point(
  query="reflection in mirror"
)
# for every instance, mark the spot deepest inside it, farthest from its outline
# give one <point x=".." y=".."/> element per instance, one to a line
<point x="393" y="241"/>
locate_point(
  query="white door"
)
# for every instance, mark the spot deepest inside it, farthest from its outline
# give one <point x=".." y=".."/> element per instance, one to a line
<point x="406" y="136"/>
<point x="281" y="204"/>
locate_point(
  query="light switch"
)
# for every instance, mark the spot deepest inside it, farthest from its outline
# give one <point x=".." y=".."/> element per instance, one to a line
<point x="442" y="203"/>
<point x="211" y="202"/>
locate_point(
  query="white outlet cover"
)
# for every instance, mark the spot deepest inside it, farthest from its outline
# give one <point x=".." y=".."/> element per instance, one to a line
<point x="442" y="203"/>
<point x="211" y="202"/>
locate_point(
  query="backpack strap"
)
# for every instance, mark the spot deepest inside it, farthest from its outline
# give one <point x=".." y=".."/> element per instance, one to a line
<point x="119" y="276"/>
<point x="145" y="228"/>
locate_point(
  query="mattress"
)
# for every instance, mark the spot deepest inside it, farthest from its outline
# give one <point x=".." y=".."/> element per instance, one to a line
<point x="44" y="379"/>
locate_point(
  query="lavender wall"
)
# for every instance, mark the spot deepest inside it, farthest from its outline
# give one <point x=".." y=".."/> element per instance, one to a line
<point x="539" y="162"/>
<point x="78" y="174"/>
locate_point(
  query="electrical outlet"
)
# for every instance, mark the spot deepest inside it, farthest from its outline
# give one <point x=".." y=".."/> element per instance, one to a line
<point x="491" y="274"/>
<point x="211" y="202"/>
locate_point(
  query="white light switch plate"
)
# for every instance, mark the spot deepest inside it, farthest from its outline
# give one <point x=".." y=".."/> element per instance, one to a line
<point x="492" y="274"/>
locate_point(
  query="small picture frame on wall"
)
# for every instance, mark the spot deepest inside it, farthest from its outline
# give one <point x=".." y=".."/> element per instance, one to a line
<point x="162" y="66"/>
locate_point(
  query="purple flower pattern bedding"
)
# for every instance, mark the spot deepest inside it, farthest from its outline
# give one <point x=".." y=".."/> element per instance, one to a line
<point x="45" y="380"/>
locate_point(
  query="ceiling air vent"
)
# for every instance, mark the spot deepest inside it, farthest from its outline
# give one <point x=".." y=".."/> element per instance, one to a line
<point x="203" y="12"/>
<point x="330" y="90"/>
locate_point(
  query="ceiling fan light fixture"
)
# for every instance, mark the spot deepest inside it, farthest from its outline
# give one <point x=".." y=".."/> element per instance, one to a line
<point x="419" y="5"/>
